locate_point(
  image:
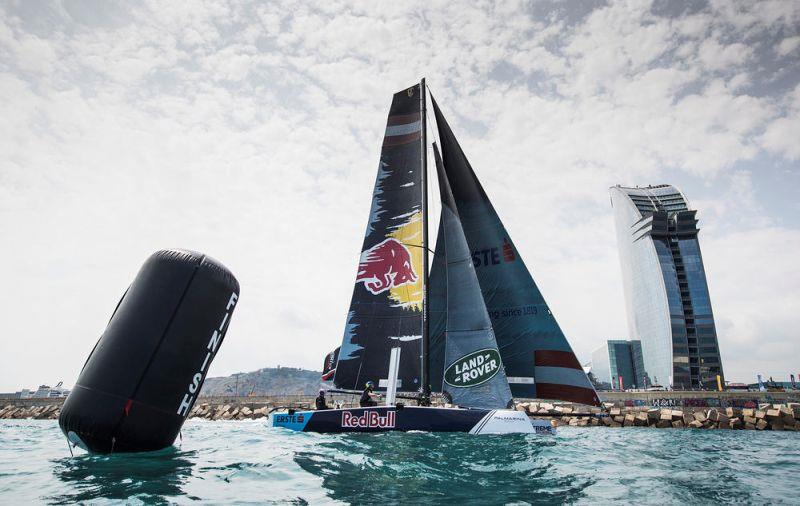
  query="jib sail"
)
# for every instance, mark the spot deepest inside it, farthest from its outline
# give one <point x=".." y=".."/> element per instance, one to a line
<point x="539" y="362"/>
<point x="473" y="373"/>
<point x="386" y="308"/>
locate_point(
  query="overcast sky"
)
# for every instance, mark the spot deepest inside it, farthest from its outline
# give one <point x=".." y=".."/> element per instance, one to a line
<point x="252" y="133"/>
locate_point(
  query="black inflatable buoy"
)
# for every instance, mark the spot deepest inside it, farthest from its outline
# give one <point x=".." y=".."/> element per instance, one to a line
<point x="144" y="374"/>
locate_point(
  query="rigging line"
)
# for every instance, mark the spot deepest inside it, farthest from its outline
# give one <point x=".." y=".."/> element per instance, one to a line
<point x="416" y="246"/>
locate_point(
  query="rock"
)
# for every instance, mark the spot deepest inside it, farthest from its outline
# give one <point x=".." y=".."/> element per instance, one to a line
<point x="687" y="419"/>
<point x="749" y="419"/>
<point x="699" y="416"/>
<point x="761" y="424"/>
<point x="640" y="419"/>
<point x="615" y="411"/>
<point x="749" y="412"/>
<point x="519" y="407"/>
<point x="629" y="420"/>
<point x="663" y="424"/>
<point x="607" y="421"/>
<point x="595" y="422"/>
<point x="736" y="423"/>
<point x="246" y="411"/>
<point x="761" y="414"/>
<point x="677" y="414"/>
<point x="776" y="426"/>
<point x="712" y="414"/>
<point x="654" y="414"/>
<point x="749" y="426"/>
<point x="677" y="424"/>
<point x="695" y="424"/>
<point x="618" y="419"/>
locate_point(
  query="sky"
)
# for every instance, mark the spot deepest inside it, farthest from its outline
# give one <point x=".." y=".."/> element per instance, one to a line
<point x="251" y="132"/>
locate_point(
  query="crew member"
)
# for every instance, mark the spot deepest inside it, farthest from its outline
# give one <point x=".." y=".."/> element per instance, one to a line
<point x="320" y="401"/>
<point x="366" y="396"/>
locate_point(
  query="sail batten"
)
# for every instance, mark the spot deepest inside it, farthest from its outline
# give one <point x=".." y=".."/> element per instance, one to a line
<point x="539" y="361"/>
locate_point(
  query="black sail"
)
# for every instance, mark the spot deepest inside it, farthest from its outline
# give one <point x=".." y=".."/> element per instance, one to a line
<point x="539" y="361"/>
<point x="386" y="308"/>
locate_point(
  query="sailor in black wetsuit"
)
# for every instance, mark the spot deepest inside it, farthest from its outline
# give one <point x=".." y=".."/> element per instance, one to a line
<point x="320" y="401"/>
<point x="366" y="396"/>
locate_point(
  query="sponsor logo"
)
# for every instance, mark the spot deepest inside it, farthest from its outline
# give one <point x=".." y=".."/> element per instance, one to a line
<point x="491" y="256"/>
<point x="386" y="265"/>
<point x="211" y="350"/>
<point x="473" y="369"/>
<point x="283" y="419"/>
<point x="369" y="420"/>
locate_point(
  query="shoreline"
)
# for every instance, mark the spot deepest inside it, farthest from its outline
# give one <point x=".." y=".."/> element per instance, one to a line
<point x="739" y="410"/>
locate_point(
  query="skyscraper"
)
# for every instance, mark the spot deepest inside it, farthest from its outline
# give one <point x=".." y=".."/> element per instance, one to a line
<point x="666" y="294"/>
<point x="619" y="365"/>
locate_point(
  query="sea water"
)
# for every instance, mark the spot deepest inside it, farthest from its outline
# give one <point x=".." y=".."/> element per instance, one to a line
<point x="247" y="462"/>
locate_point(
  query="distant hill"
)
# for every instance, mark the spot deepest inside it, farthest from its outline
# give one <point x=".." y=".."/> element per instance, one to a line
<point x="267" y="381"/>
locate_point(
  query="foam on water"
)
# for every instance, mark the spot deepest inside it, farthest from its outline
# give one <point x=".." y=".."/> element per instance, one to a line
<point x="247" y="462"/>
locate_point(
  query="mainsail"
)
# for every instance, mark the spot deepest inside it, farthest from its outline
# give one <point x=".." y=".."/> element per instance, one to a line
<point x="386" y="308"/>
<point x="539" y="362"/>
<point x="473" y="375"/>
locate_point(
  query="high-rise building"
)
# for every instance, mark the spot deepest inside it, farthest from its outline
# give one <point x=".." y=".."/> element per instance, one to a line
<point x="619" y="365"/>
<point x="666" y="293"/>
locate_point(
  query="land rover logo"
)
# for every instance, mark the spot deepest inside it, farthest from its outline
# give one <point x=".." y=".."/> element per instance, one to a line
<point x="473" y="369"/>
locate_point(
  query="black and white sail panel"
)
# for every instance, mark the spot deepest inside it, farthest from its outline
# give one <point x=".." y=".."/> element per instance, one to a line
<point x="473" y="373"/>
<point x="539" y="361"/>
<point x="386" y="308"/>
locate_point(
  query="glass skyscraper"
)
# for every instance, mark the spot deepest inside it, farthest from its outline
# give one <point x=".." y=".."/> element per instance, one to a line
<point x="619" y="365"/>
<point x="666" y="294"/>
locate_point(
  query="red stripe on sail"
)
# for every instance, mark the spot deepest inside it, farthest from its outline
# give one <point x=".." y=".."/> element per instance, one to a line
<point x="556" y="358"/>
<point x="396" y="140"/>
<point x="402" y="119"/>
<point x="567" y="393"/>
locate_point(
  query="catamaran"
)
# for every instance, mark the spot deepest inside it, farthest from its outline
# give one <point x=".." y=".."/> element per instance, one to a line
<point x="474" y="329"/>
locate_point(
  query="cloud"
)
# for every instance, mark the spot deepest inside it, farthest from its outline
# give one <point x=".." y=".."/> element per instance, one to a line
<point x="251" y="132"/>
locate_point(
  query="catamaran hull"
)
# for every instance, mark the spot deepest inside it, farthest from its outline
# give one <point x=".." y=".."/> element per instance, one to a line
<point x="391" y="418"/>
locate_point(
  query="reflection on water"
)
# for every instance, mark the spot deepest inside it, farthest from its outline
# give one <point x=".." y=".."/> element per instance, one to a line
<point x="120" y="476"/>
<point x="431" y="468"/>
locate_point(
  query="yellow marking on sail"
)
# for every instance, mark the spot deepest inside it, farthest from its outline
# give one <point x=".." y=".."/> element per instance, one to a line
<point x="409" y="296"/>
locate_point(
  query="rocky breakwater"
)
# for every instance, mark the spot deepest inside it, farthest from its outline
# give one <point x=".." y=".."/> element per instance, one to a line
<point x="765" y="417"/>
<point x="209" y="408"/>
<point x="30" y="412"/>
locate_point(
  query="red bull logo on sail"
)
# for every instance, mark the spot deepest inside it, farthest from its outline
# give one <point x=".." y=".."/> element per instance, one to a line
<point x="369" y="420"/>
<point x="386" y="265"/>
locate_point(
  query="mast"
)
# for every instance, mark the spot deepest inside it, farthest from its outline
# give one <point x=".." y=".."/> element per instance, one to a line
<point x="426" y="387"/>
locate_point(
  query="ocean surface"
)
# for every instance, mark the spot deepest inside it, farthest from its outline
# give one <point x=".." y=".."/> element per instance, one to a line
<point x="247" y="462"/>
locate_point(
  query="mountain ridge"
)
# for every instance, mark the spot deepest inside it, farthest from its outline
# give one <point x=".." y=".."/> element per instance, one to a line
<point x="266" y="381"/>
